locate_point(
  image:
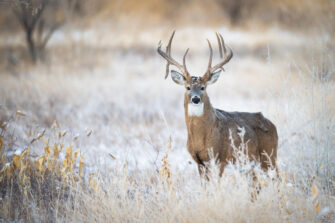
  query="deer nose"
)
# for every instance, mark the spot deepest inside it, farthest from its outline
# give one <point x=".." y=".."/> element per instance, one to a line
<point x="195" y="100"/>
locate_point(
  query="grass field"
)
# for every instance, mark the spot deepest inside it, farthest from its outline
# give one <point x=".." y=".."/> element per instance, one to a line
<point x="101" y="97"/>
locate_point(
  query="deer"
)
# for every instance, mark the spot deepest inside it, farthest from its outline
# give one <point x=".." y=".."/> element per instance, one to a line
<point x="209" y="128"/>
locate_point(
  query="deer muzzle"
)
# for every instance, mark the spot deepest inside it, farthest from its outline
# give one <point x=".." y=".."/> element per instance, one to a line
<point x="195" y="100"/>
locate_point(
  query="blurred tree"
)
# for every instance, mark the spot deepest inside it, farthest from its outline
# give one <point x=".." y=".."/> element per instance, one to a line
<point x="37" y="28"/>
<point x="238" y="10"/>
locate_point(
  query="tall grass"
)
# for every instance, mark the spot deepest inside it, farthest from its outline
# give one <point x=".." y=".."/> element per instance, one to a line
<point x="50" y="188"/>
<point x="128" y="124"/>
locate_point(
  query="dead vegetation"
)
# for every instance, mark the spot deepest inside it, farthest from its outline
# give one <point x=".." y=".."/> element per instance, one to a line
<point x="95" y="133"/>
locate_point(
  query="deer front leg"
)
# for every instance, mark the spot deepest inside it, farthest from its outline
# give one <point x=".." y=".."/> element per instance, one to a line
<point x="202" y="168"/>
<point x="222" y="166"/>
<point x="203" y="171"/>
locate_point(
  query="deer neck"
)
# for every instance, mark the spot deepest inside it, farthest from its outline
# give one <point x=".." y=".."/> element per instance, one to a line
<point x="199" y="117"/>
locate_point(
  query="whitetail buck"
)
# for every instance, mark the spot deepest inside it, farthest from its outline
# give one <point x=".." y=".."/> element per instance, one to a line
<point x="211" y="128"/>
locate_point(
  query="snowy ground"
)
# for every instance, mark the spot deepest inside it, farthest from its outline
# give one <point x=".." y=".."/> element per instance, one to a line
<point x="112" y="83"/>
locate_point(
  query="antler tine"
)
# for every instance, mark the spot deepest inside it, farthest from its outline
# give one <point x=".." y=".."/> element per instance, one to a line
<point x="184" y="62"/>
<point x="168" y="47"/>
<point x="167" y="56"/>
<point x="167" y="70"/>
<point x="223" y="45"/>
<point x="228" y="53"/>
<point x="219" y="42"/>
<point x="210" y="55"/>
<point x="167" y="65"/>
<point x="168" y="51"/>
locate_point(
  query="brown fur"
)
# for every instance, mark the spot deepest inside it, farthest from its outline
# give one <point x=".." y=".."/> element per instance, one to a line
<point x="211" y="130"/>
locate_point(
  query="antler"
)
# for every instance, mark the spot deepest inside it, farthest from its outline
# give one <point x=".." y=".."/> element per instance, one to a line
<point x="222" y="50"/>
<point x="170" y="61"/>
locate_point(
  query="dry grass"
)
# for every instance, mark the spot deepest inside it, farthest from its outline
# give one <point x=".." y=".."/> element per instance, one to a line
<point x="109" y="99"/>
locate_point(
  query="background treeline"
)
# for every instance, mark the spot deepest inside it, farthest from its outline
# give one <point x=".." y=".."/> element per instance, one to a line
<point x="297" y="14"/>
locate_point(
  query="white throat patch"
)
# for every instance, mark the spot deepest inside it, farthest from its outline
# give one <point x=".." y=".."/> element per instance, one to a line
<point x="195" y="110"/>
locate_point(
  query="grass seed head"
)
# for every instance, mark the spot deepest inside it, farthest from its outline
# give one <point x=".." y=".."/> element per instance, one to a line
<point x="20" y="113"/>
<point x="2" y="143"/>
<point x="81" y="165"/>
<point x="17" y="160"/>
<point x="317" y="207"/>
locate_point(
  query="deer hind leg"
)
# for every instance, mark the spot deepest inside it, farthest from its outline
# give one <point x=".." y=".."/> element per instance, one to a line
<point x="256" y="185"/>
<point x="268" y="161"/>
<point x="268" y="158"/>
<point x="267" y="145"/>
<point x="267" y="150"/>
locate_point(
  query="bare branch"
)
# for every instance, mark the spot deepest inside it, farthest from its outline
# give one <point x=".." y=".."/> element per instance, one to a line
<point x="49" y="34"/>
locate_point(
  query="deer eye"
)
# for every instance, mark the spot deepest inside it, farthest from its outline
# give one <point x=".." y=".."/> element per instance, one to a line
<point x="202" y="88"/>
<point x="188" y="88"/>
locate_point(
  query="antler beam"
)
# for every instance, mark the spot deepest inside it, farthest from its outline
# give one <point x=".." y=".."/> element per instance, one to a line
<point x="225" y="55"/>
<point x="170" y="61"/>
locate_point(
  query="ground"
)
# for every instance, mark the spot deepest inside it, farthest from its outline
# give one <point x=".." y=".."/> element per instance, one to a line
<point x="106" y="93"/>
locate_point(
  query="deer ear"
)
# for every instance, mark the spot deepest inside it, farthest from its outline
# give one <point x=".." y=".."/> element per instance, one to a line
<point x="214" y="77"/>
<point x="178" y="77"/>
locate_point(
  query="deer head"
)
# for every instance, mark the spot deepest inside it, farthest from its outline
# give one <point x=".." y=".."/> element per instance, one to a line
<point x="195" y="86"/>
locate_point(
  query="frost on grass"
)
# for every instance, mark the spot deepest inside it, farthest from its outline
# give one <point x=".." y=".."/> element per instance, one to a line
<point x="128" y="123"/>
